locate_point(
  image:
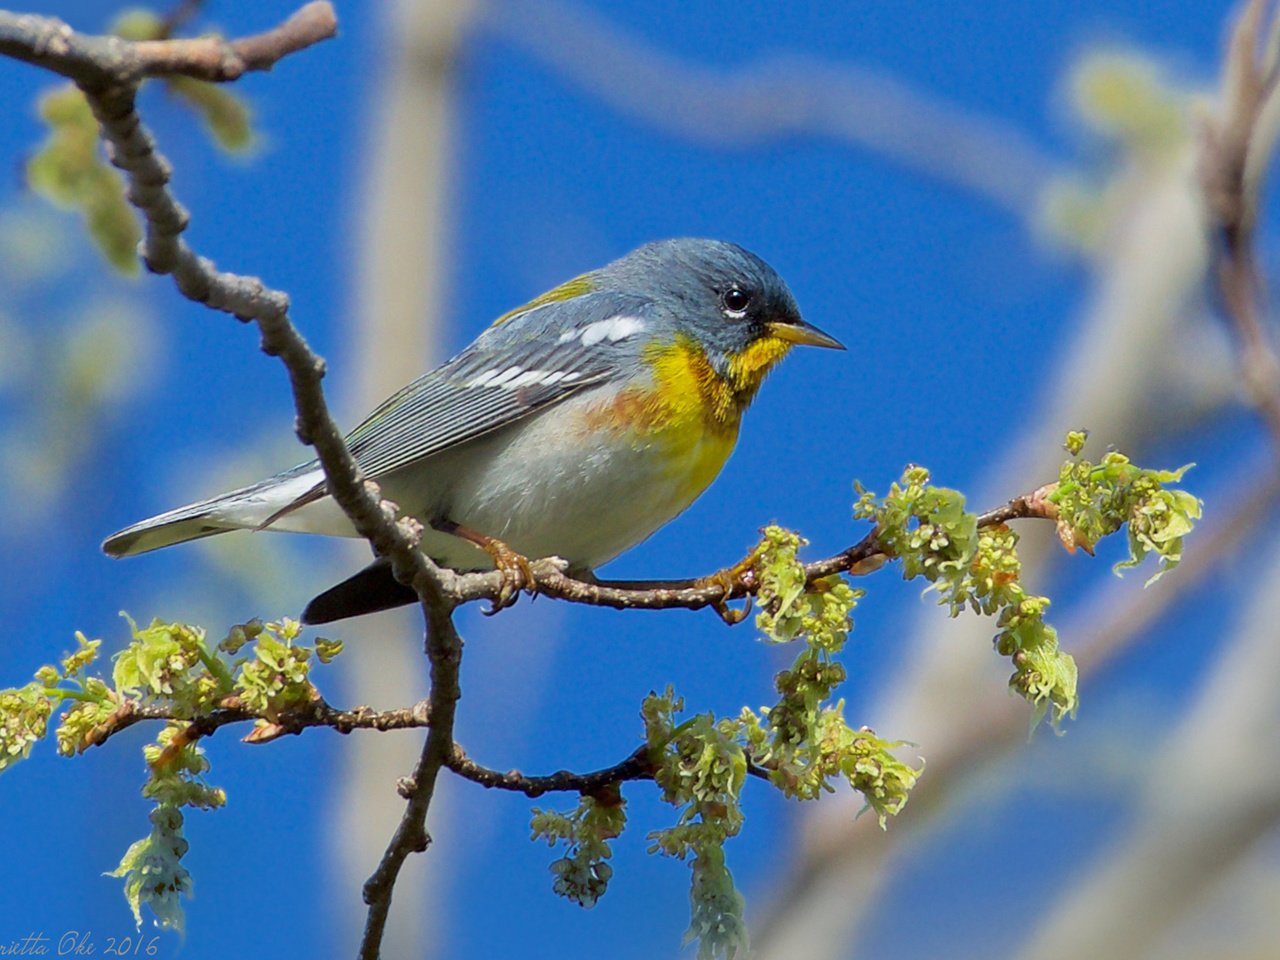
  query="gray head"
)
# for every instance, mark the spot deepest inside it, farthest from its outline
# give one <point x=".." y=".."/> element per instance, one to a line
<point x="723" y="296"/>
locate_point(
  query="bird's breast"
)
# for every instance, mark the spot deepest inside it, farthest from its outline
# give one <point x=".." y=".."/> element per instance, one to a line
<point x="679" y="449"/>
<point x="584" y="480"/>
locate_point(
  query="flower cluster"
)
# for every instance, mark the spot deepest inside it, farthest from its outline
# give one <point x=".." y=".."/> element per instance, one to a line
<point x="170" y="672"/>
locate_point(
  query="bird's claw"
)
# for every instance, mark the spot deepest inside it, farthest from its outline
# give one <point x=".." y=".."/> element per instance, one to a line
<point x="728" y="580"/>
<point x="517" y="575"/>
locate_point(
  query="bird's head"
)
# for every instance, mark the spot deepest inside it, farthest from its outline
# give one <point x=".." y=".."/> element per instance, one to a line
<point x="723" y="299"/>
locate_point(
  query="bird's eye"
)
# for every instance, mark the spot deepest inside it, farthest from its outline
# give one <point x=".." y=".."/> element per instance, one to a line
<point x="736" y="301"/>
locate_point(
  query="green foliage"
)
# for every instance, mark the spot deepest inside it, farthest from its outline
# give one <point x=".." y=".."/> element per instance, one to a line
<point x="801" y="743"/>
<point x="1095" y="500"/>
<point x="25" y="711"/>
<point x="1146" y="125"/>
<point x="225" y="115"/>
<point x="803" y="740"/>
<point x="327" y="650"/>
<point x="70" y="170"/>
<point x="582" y="875"/>
<point x="151" y="869"/>
<point x="24" y="719"/>
<point x="170" y="661"/>
<point x="700" y="766"/>
<point x="138" y="24"/>
<point x="152" y="873"/>
<point x="176" y="767"/>
<point x="65" y="381"/>
<point x="925" y="527"/>
<point x="168" y="671"/>
<point x="91" y="700"/>
<point x="275" y="678"/>
<point x="1125" y="97"/>
<point x="928" y="529"/>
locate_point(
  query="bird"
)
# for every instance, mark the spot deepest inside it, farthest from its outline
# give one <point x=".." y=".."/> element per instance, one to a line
<point x="573" y="426"/>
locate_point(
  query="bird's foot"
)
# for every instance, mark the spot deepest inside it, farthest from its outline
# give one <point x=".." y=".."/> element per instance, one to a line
<point x="728" y="580"/>
<point x="517" y="574"/>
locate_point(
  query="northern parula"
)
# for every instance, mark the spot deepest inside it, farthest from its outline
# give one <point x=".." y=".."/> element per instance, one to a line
<point x="574" y="426"/>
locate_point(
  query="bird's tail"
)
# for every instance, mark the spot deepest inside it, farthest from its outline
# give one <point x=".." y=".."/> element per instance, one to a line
<point x="177" y="526"/>
<point x="369" y="591"/>
<point x="248" y="508"/>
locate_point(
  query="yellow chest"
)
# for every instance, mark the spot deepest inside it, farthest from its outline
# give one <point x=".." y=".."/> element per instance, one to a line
<point x="691" y="414"/>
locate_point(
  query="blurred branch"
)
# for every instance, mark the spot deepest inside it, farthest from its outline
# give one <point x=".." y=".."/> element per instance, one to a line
<point x="1238" y="145"/>
<point x="107" y="71"/>
<point x="111" y="95"/>
<point x="778" y="98"/>
<point x="1147" y="273"/>
<point x="1161" y="872"/>
<point x="399" y="314"/>
<point x="1195" y="829"/>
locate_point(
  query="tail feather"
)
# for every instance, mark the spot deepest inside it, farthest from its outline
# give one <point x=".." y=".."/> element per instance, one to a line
<point x="249" y="507"/>
<point x="177" y="526"/>
<point x="369" y="591"/>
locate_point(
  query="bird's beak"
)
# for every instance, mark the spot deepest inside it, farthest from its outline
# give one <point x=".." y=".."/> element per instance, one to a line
<point x="797" y="331"/>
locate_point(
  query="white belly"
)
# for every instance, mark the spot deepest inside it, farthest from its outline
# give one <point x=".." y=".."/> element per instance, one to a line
<point x="538" y="489"/>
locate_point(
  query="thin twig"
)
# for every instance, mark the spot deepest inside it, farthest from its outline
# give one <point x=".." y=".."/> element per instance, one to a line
<point x="552" y="580"/>
<point x="444" y="649"/>
<point x="317" y="713"/>
<point x="637" y="766"/>
<point x="98" y="63"/>
<point x="1231" y="200"/>
<point x="107" y="70"/>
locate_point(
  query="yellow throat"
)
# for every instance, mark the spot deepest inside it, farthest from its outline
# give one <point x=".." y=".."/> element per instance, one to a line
<point x="691" y="413"/>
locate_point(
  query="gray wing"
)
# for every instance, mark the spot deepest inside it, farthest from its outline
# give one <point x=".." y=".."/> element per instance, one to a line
<point x="513" y="370"/>
<point x="528" y="362"/>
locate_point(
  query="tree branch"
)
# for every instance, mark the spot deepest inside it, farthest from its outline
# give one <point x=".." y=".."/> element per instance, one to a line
<point x="776" y="98"/>
<point x="635" y="767"/>
<point x="108" y="70"/>
<point x="1237" y="145"/>
<point x="552" y="580"/>
<point x="444" y="649"/>
<point x="1113" y="624"/>
<point x="98" y="63"/>
<point x="317" y="713"/>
